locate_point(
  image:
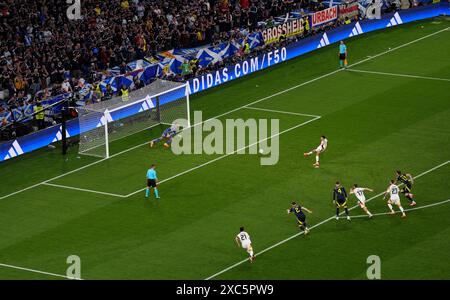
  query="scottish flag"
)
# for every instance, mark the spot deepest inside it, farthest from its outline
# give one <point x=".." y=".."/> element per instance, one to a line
<point x="150" y="72"/>
<point x="235" y="45"/>
<point x="111" y="81"/>
<point x="115" y="71"/>
<point x="28" y="109"/>
<point x="213" y="55"/>
<point x="255" y="40"/>
<point x="175" y="58"/>
<point x="138" y="64"/>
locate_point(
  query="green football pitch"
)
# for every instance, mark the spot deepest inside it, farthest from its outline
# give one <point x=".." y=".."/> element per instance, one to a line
<point x="389" y="111"/>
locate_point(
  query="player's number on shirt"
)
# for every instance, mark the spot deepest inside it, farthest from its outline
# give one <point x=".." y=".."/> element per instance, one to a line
<point x="243" y="237"/>
<point x="394" y="191"/>
<point x="360" y="193"/>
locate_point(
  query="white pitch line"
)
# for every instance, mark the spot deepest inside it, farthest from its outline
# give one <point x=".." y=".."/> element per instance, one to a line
<point x="231" y="111"/>
<point x="399" y="75"/>
<point x="83" y="190"/>
<point x="314" y="226"/>
<point x="38" y="271"/>
<point x="281" y="112"/>
<point x="228" y="154"/>
<point x="408" y="209"/>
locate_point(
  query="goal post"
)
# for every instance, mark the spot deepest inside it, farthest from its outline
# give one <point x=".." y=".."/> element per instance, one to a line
<point x="100" y="124"/>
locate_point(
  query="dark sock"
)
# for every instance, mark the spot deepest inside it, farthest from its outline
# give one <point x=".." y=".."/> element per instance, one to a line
<point x="346" y="211"/>
<point x="337" y="212"/>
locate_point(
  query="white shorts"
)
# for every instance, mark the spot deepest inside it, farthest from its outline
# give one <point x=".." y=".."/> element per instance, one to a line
<point x="319" y="149"/>
<point x="395" y="199"/>
<point x="245" y="244"/>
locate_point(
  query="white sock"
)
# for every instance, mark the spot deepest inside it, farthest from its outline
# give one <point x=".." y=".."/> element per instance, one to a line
<point x="401" y="209"/>
<point x="390" y="207"/>
<point x="317" y="158"/>
<point x="310" y="152"/>
<point x="251" y="253"/>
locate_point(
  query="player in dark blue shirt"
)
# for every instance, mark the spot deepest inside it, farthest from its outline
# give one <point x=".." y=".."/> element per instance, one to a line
<point x="408" y="181"/>
<point x="168" y="134"/>
<point x="340" y="199"/>
<point x="301" y="217"/>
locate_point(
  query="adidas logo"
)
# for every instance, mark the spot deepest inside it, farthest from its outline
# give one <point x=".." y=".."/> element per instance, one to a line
<point x="323" y="41"/>
<point x="147" y="104"/>
<point x="14" y="151"/>
<point x="106" y="118"/>
<point x="395" y="20"/>
<point x="58" y="136"/>
<point x="356" y="30"/>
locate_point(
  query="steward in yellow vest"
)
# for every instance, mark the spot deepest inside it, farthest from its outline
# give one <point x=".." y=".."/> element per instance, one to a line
<point x="38" y="110"/>
<point x="124" y="92"/>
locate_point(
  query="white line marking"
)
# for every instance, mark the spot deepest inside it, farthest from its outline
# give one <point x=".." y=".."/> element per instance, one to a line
<point x="399" y="75"/>
<point x="281" y="112"/>
<point x="70" y="172"/>
<point x="314" y="226"/>
<point x="83" y="190"/>
<point x="233" y="110"/>
<point x="408" y="209"/>
<point x="37" y="271"/>
<point x="228" y="154"/>
<point x="140" y="130"/>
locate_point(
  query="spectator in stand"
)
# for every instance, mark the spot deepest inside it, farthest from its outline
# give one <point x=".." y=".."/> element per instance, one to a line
<point x="108" y="93"/>
<point x="43" y="53"/>
<point x="282" y="37"/>
<point x="138" y="84"/>
<point x="66" y="87"/>
<point x="195" y="65"/>
<point x="39" y="45"/>
<point x="185" y="68"/>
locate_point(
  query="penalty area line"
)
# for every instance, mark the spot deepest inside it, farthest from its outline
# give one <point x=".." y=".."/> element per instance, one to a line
<point x="38" y="271"/>
<point x="408" y="209"/>
<point x="282" y="112"/>
<point x="314" y="226"/>
<point x="83" y="190"/>
<point x="399" y="75"/>
<point x="228" y="154"/>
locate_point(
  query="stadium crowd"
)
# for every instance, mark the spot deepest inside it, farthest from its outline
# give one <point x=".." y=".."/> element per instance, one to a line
<point x="43" y="54"/>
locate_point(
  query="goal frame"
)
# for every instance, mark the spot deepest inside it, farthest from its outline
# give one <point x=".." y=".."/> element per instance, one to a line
<point x="107" y="111"/>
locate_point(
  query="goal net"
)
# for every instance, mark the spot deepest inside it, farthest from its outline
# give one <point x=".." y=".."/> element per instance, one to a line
<point x="161" y="102"/>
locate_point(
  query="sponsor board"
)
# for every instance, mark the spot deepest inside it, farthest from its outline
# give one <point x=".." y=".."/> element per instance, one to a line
<point x="246" y="67"/>
<point x="395" y="20"/>
<point x="357" y="30"/>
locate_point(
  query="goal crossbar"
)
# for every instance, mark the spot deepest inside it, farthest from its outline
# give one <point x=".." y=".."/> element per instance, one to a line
<point x="161" y="102"/>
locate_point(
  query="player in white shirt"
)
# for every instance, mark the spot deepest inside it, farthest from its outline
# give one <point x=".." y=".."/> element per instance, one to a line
<point x="320" y="149"/>
<point x="393" y="190"/>
<point x="359" y="193"/>
<point x="243" y="240"/>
